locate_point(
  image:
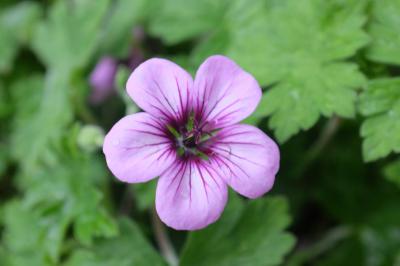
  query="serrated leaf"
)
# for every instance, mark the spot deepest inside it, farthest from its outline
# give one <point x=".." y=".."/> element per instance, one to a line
<point x="129" y="248"/>
<point x="385" y="32"/>
<point x="297" y="47"/>
<point x="250" y="234"/>
<point x="27" y="237"/>
<point x="303" y="54"/>
<point x="73" y="28"/>
<point x="380" y="104"/>
<point x="72" y="192"/>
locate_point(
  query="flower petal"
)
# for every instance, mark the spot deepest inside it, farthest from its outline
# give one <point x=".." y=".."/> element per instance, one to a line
<point x="161" y="88"/>
<point x="224" y="94"/>
<point x="246" y="158"/>
<point x="190" y="195"/>
<point x="137" y="149"/>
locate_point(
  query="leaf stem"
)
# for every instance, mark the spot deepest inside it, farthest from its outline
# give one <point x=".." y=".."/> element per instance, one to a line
<point x="324" y="138"/>
<point x="163" y="241"/>
<point x="327" y="242"/>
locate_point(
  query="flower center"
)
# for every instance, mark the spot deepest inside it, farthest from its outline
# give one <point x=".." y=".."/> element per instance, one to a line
<point x="189" y="139"/>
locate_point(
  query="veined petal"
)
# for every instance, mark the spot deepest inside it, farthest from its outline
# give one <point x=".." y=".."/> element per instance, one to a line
<point x="161" y="88"/>
<point x="224" y="94"/>
<point x="137" y="148"/>
<point x="246" y="158"/>
<point x="190" y="195"/>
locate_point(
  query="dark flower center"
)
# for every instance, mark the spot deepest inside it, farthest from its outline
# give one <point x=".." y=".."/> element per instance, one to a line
<point x="190" y="140"/>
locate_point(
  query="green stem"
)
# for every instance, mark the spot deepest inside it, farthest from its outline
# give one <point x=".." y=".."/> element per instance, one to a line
<point x="324" y="138"/>
<point x="329" y="241"/>
<point x="163" y="241"/>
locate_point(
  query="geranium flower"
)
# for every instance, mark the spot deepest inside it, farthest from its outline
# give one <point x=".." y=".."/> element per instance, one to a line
<point x="189" y="137"/>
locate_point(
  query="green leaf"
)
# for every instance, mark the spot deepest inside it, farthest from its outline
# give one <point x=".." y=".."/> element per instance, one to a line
<point x="380" y="104"/>
<point x="130" y="248"/>
<point x="171" y="18"/>
<point x="392" y="172"/>
<point x="297" y="47"/>
<point x="16" y="25"/>
<point x="385" y="32"/>
<point x="304" y="58"/>
<point x="27" y="236"/>
<point x="46" y="124"/>
<point x="69" y="190"/>
<point x="68" y="37"/>
<point x="145" y="194"/>
<point x="118" y="32"/>
<point x="247" y="234"/>
<point x="121" y="79"/>
<point x="381" y="244"/>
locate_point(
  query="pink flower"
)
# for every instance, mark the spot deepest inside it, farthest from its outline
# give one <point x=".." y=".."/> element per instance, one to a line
<point x="189" y="137"/>
<point x="102" y="79"/>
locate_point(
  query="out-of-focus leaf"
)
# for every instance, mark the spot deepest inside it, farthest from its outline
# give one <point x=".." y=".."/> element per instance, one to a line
<point x="67" y="38"/>
<point x="55" y="198"/>
<point x="171" y="19"/>
<point x="381" y="245"/>
<point x="21" y="19"/>
<point x="16" y="25"/>
<point x="392" y="172"/>
<point x="46" y="125"/>
<point x="385" y="31"/>
<point x="348" y="252"/>
<point x="71" y="192"/>
<point x="3" y="160"/>
<point x="27" y="236"/>
<point x="118" y="32"/>
<point x="121" y="79"/>
<point x="247" y="234"/>
<point x="4" y="102"/>
<point x="130" y="248"/>
<point x="145" y="194"/>
<point x="380" y="104"/>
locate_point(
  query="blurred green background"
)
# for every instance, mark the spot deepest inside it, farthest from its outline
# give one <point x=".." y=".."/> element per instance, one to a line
<point x="330" y="70"/>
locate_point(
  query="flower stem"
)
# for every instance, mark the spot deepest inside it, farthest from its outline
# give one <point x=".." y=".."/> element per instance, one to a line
<point x="324" y="138"/>
<point x="331" y="239"/>
<point x="163" y="241"/>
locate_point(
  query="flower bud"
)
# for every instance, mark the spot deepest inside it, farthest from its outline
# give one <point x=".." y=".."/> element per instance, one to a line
<point x="102" y="79"/>
<point x="90" y="137"/>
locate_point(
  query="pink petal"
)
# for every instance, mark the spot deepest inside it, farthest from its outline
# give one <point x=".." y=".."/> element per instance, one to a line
<point x="161" y="88"/>
<point x="224" y="94"/>
<point x="137" y="149"/>
<point x="246" y="158"/>
<point x="190" y="195"/>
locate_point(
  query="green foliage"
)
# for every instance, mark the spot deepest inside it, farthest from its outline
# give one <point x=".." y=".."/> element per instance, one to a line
<point x="302" y="57"/>
<point x="72" y="31"/>
<point x="385" y="32"/>
<point x="130" y="248"/>
<point x="392" y="172"/>
<point x="247" y="234"/>
<point x="16" y="25"/>
<point x="118" y="32"/>
<point x="60" y="205"/>
<point x="380" y="103"/>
